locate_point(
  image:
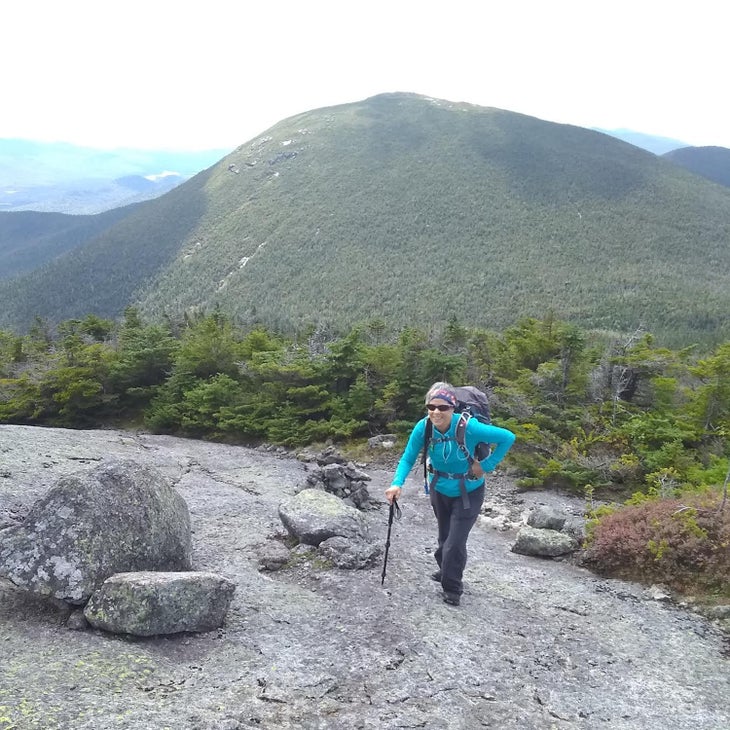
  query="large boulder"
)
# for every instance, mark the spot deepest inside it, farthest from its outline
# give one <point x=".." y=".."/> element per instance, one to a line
<point x="119" y="517"/>
<point x="313" y="516"/>
<point x="151" y="603"/>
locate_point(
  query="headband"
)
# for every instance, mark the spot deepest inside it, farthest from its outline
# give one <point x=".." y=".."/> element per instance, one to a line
<point x="444" y="395"/>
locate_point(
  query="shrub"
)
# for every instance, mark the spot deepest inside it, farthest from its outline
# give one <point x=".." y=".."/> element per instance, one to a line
<point x="684" y="544"/>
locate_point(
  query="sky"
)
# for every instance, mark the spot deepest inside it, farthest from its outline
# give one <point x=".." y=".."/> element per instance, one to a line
<point x="178" y="75"/>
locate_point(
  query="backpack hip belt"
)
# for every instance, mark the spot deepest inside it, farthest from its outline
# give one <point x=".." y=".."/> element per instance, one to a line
<point x="465" y="501"/>
<point x="449" y="475"/>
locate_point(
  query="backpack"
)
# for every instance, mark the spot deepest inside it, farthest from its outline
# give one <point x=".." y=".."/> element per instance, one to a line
<point x="471" y="403"/>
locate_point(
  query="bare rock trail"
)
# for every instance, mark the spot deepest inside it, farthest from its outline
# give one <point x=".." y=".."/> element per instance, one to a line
<point x="536" y="644"/>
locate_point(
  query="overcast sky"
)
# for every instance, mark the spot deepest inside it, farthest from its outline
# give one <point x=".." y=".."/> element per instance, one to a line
<point x="172" y="74"/>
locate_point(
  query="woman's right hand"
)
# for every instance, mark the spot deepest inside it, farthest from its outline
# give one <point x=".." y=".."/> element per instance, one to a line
<point x="393" y="493"/>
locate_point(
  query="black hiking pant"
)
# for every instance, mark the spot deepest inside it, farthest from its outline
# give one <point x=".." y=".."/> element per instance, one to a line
<point x="454" y="523"/>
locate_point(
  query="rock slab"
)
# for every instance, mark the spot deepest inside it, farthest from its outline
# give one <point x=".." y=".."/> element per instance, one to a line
<point x="313" y="516"/>
<point x="149" y="603"/>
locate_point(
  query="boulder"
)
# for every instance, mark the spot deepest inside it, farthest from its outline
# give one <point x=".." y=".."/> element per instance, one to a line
<point x="543" y="543"/>
<point x="546" y="518"/>
<point x="334" y="478"/>
<point x="382" y="441"/>
<point x="148" y="603"/>
<point x="576" y="528"/>
<point x="119" y="517"/>
<point x="313" y="516"/>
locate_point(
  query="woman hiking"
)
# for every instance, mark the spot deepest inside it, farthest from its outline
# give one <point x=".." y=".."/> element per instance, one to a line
<point x="456" y="487"/>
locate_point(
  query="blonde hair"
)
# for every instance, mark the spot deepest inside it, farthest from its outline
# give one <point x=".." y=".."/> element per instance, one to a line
<point x="443" y="386"/>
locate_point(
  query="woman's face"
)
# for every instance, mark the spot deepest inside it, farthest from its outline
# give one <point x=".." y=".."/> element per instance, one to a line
<point x="440" y="412"/>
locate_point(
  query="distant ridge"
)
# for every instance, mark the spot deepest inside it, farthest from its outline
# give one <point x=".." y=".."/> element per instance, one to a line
<point x="712" y="163"/>
<point x="652" y="143"/>
<point x="64" y="178"/>
<point x="29" y="239"/>
<point x="412" y="211"/>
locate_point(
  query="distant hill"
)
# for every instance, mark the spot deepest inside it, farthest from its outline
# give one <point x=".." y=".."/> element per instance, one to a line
<point x="710" y="162"/>
<point x="29" y="239"/>
<point x="64" y="178"/>
<point x="652" y="143"/>
<point x="88" y="197"/>
<point x="412" y="210"/>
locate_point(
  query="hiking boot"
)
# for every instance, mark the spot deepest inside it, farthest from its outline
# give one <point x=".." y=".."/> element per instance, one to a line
<point x="436" y="576"/>
<point x="452" y="599"/>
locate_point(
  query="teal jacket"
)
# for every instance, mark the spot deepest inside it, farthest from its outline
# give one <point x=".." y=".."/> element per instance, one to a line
<point x="446" y="456"/>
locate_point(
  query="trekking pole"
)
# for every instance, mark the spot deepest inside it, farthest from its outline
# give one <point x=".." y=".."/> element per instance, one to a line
<point x="394" y="511"/>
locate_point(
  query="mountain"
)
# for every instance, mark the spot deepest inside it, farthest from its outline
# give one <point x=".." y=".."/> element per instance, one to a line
<point x="710" y="162"/>
<point x="65" y="178"/>
<point x="412" y="210"/>
<point x="652" y="143"/>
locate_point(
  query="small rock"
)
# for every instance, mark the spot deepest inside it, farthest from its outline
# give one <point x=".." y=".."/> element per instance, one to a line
<point x="383" y="441"/>
<point x="659" y="593"/>
<point x="719" y="612"/>
<point x="77" y="621"/>
<point x="350" y="554"/>
<point x="274" y="556"/>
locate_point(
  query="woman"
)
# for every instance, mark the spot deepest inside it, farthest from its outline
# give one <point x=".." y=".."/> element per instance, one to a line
<point x="456" y="491"/>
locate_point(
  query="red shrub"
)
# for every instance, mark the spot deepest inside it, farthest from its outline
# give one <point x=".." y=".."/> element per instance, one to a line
<point x="684" y="544"/>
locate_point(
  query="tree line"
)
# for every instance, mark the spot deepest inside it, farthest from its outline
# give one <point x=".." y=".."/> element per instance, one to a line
<point x="611" y="418"/>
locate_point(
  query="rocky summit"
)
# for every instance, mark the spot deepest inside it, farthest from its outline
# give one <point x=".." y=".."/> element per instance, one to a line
<point x="307" y="642"/>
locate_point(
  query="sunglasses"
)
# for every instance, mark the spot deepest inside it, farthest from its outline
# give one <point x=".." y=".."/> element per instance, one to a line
<point x="433" y="407"/>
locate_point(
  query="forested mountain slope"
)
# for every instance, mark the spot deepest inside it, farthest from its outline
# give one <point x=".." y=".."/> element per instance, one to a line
<point x="413" y="210"/>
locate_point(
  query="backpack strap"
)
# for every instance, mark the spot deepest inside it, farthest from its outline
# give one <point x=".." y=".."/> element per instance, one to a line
<point x="427" y="439"/>
<point x="427" y="434"/>
<point x="461" y="439"/>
